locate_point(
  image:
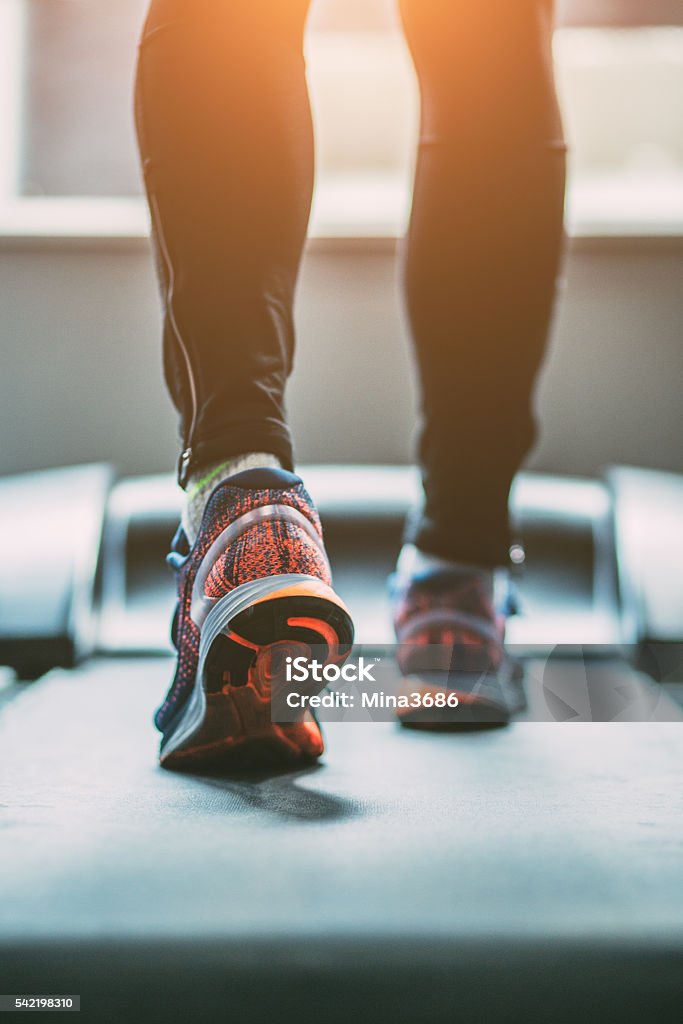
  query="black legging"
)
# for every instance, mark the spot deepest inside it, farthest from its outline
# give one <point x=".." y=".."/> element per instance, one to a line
<point x="226" y="141"/>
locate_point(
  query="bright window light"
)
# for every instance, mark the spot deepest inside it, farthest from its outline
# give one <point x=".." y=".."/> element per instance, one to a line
<point x="66" y="129"/>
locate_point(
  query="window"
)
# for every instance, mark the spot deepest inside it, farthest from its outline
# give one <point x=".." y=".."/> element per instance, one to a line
<point x="622" y="95"/>
<point x="77" y="104"/>
<point x="66" y="70"/>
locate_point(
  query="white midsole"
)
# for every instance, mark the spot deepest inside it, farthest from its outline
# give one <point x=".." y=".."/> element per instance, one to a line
<point x="247" y="594"/>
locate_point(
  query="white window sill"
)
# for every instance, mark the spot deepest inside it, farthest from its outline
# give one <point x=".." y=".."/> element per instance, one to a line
<point x="362" y="207"/>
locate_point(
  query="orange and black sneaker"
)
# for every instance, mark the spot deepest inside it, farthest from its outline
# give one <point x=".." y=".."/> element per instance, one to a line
<point x="254" y="589"/>
<point x="450" y="635"/>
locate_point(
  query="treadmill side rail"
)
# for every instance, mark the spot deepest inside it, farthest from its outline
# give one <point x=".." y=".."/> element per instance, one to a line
<point x="50" y="532"/>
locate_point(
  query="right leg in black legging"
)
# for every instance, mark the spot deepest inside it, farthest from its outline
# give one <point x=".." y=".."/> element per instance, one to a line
<point x="226" y="143"/>
<point x="482" y="257"/>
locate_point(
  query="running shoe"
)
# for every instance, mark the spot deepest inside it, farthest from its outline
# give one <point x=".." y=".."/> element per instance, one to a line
<point x="254" y="589"/>
<point x="450" y="635"/>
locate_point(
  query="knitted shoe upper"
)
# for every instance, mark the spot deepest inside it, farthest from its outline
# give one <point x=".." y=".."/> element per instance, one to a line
<point x="264" y="548"/>
<point x="452" y="610"/>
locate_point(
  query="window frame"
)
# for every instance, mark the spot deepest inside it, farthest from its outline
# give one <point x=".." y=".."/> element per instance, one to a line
<point x="618" y="13"/>
<point x="12" y="35"/>
<point x="112" y="217"/>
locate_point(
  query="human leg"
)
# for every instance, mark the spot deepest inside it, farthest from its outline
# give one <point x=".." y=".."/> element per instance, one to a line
<point x="481" y="261"/>
<point x="482" y="257"/>
<point x="226" y="144"/>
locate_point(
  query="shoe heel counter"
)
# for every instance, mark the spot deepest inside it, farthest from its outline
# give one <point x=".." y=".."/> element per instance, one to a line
<point x="293" y="548"/>
<point x="277" y="546"/>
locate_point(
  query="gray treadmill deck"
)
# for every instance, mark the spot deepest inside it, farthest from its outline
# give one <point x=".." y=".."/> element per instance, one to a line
<point x="538" y="846"/>
<point x="538" y="829"/>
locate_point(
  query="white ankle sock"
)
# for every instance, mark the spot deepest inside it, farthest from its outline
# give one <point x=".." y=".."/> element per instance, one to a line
<point x="201" y="484"/>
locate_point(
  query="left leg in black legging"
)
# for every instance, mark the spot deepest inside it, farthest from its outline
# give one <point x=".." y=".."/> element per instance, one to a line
<point x="226" y="142"/>
<point x="482" y="257"/>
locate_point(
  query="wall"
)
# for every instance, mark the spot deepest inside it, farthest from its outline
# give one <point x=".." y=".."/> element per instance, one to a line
<point x="81" y="381"/>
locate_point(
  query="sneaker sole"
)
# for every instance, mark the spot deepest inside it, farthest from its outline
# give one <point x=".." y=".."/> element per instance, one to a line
<point x="504" y="697"/>
<point x="226" y="722"/>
